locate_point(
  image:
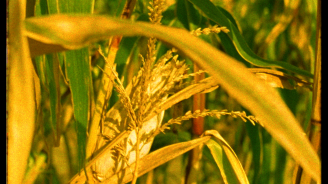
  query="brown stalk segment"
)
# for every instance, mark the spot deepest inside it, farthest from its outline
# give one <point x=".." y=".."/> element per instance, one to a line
<point x="197" y="128"/>
<point x="198" y="104"/>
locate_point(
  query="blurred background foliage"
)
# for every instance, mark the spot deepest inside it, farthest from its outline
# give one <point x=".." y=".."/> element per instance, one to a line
<point x="282" y="30"/>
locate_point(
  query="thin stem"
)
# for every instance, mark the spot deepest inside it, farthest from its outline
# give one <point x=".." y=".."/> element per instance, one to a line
<point x="197" y="126"/>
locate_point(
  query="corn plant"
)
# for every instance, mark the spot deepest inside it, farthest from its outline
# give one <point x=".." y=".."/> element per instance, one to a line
<point x="105" y="91"/>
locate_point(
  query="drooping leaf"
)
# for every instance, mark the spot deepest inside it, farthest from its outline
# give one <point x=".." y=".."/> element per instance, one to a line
<point x="215" y="14"/>
<point x="230" y="49"/>
<point x="230" y="167"/>
<point x="261" y="100"/>
<point x="227" y="43"/>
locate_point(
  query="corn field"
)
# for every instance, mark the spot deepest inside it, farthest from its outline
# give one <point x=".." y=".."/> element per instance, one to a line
<point x="163" y="91"/>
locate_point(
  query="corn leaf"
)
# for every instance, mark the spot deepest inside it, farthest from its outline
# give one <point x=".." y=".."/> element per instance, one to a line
<point x="260" y="99"/>
<point x="275" y="81"/>
<point x="157" y="158"/>
<point x="21" y="95"/>
<point x="227" y="43"/>
<point x="279" y="79"/>
<point x="52" y="71"/>
<point x="215" y="14"/>
<point x="188" y="15"/>
<point x="226" y="159"/>
<point x="257" y="150"/>
<point x="78" y="72"/>
<point x="126" y="47"/>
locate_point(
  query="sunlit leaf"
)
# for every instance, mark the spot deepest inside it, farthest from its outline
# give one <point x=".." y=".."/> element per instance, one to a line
<point x="279" y="79"/>
<point x="80" y="177"/>
<point x="275" y="81"/>
<point x="157" y="158"/>
<point x="21" y="105"/>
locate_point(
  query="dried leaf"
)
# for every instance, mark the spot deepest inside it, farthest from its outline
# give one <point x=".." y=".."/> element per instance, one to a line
<point x="275" y="81"/>
<point x="279" y="79"/>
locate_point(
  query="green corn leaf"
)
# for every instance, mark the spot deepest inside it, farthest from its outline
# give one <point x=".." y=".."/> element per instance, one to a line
<point x="126" y="47"/>
<point x="230" y="48"/>
<point x="78" y="73"/>
<point x="226" y="159"/>
<point x="215" y="14"/>
<point x="188" y="15"/>
<point x="52" y="71"/>
<point x="257" y="149"/>
<point x="79" y="76"/>
<point x="260" y="99"/>
<point x="228" y="15"/>
<point x="226" y="41"/>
